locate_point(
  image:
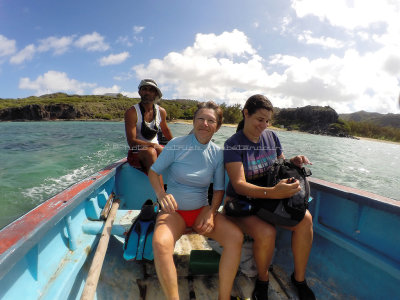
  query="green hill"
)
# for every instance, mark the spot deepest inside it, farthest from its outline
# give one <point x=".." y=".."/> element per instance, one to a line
<point x="313" y="119"/>
<point x="392" y="120"/>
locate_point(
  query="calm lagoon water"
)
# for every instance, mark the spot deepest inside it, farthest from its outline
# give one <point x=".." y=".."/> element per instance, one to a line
<point x="40" y="159"/>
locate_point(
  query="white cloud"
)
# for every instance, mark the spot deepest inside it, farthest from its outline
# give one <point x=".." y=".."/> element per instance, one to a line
<point x="349" y="14"/>
<point x="372" y="77"/>
<point x="25" y="54"/>
<point x="7" y="47"/>
<point x="223" y="67"/>
<point x="130" y="94"/>
<point x="392" y="64"/>
<point x="228" y="43"/>
<point x="349" y="83"/>
<point x="58" y="45"/>
<point x="124" y="40"/>
<point x="54" y="81"/>
<point x="227" y="68"/>
<point x="124" y="76"/>
<point x="284" y="27"/>
<point x="114" y="59"/>
<point x="92" y="42"/>
<point x="105" y="90"/>
<point x="325" y="42"/>
<point x="138" y="29"/>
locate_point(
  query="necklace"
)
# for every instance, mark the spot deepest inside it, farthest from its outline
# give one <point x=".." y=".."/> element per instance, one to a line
<point x="251" y="138"/>
<point x="255" y="139"/>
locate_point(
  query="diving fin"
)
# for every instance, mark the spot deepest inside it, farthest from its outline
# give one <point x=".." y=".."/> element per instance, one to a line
<point x="138" y="241"/>
<point x="132" y="241"/>
<point x="148" y="246"/>
<point x="144" y="226"/>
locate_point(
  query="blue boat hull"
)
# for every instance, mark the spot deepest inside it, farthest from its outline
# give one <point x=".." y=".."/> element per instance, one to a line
<point x="46" y="253"/>
<point x="356" y="247"/>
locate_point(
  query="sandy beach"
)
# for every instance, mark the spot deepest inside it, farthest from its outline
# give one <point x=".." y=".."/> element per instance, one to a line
<point x="182" y="121"/>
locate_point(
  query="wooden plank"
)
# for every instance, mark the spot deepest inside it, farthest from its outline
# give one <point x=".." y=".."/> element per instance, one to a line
<point x="118" y="279"/>
<point x="205" y="287"/>
<point x="153" y="289"/>
<point x="243" y="286"/>
<point x="283" y="280"/>
<point x="97" y="263"/>
<point x="107" y="208"/>
<point x="275" y="289"/>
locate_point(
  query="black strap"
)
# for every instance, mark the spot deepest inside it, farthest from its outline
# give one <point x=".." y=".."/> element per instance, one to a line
<point x="142" y="111"/>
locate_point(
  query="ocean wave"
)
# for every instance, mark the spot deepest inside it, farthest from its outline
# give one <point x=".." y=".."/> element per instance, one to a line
<point x="52" y="186"/>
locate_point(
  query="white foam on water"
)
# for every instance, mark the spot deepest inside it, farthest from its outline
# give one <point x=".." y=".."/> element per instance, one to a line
<point x="52" y="186"/>
<point x="362" y="170"/>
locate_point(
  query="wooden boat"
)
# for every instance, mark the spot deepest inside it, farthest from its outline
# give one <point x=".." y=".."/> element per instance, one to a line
<point x="46" y="254"/>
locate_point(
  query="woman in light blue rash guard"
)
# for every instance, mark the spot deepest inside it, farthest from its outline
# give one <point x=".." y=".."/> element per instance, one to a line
<point x="192" y="163"/>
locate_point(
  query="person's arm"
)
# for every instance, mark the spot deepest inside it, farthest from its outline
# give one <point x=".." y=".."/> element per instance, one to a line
<point x="130" y="129"/>
<point x="236" y="175"/>
<point x="205" y="220"/>
<point x="216" y="201"/>
<point x="167" y="201"/>
<point x="163" y="124"/>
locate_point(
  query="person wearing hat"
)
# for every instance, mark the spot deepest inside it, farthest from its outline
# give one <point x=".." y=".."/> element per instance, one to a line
<point x="143" y="121"/>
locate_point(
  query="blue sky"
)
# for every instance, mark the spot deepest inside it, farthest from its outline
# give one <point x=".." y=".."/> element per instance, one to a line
<point x="341" y="53"/>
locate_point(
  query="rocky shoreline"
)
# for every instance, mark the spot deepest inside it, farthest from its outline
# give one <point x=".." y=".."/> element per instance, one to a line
<point x="310" y="119"/>
<point x="35" y="112"/>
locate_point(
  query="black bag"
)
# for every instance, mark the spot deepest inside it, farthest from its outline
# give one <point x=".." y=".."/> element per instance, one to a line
<point x="286" y="212"/>
<point x="146" y="131"/>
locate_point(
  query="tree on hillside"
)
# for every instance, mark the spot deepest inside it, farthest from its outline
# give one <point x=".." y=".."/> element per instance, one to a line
<point x="232" y="114"/>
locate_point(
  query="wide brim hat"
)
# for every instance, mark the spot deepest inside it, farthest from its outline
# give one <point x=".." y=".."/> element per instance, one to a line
<point x="152" y="83"/>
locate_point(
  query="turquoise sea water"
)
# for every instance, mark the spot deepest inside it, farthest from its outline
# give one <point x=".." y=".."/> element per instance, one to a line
<point x="40" y="159"/>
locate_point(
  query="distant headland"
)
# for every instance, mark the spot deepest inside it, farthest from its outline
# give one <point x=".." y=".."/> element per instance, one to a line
<point x="312" y="119"/>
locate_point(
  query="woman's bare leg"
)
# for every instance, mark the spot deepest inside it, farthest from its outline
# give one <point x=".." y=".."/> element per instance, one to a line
<point x="264" y="235"/>
<point x="169" y="228"/>
<point x="230" y="237"/>
<point x="302" y="237"/>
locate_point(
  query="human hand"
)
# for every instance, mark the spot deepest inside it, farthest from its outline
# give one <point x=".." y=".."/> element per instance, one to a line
<point x="167" y="202"/>
<point x="285" y="190"/>
<point x="299" y="160"/>
<point x="205" y="221"/>
<point x="157" y="147"/>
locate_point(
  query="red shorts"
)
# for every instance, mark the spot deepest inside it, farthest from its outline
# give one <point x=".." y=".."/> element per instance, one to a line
<point x="189" y="216"/>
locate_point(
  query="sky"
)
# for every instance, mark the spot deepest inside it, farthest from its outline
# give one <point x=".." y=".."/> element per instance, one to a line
<point x="339" y="53"/>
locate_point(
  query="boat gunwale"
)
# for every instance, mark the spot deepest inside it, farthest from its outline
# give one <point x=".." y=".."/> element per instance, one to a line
<point x="357" y="195"/>
<point x="17" y="238"/>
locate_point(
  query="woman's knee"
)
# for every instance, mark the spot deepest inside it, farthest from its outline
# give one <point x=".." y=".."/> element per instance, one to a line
<point x="162" y="244"/>
<point x="265" y="233"/>
<point x="230" y="235"/>
<point x="235" y="237"/>
<point x="307" y="221"/>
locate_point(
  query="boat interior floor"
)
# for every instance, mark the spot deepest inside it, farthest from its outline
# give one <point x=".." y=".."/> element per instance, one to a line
<point x="122" y="279"/>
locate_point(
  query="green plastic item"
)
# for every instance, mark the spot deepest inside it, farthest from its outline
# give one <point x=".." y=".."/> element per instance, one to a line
<point x="203" y="262"/>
